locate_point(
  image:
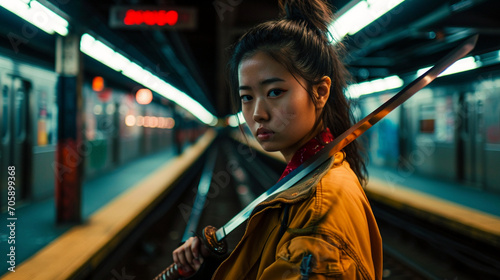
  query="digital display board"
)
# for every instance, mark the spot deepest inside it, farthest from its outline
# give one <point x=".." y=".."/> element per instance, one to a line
<point x="147" y="17"/>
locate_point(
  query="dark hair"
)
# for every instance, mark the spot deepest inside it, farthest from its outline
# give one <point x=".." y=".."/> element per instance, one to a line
<point x="300" y="41"/>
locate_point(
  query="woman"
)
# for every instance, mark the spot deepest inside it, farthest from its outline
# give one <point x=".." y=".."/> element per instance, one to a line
<point x="290" y="81"/>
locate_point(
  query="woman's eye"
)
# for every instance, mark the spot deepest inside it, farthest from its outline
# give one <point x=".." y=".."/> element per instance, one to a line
<point x="245" y="98"/>
<point x="275" y="92"/>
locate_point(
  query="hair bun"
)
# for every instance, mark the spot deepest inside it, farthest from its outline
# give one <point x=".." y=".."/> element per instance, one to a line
<point x="317" y="13"/>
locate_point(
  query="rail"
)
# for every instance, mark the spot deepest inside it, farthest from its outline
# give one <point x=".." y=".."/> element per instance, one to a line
<point x="201" y="195"/>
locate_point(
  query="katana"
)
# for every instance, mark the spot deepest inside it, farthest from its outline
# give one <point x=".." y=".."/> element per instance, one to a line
<point x="214" y="238"/>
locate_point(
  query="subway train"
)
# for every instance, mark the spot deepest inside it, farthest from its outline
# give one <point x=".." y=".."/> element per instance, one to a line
<point x="116" y="129"/>
<point x="449" y="131"/>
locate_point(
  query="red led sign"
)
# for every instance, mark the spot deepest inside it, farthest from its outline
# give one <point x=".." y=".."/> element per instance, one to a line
<point x="136" y="17"/>
<point x="160" y="18"/>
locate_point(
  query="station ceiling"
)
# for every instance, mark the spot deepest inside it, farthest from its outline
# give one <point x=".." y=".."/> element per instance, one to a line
<point x="418" y="34"/>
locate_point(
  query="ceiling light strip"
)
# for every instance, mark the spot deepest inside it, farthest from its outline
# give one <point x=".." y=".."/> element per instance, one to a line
<point x="116" y="61"/>
<point x="378" y="85"/>
<point x="360" y="15"/>
<point x="38" y="15"/>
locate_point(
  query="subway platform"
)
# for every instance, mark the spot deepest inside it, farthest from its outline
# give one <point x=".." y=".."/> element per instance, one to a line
<point x="36" y="227"/>
<point x="468" y="210"/>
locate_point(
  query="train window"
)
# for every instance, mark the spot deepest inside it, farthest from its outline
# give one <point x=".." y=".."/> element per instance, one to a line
<point x="444" y="119"/>
<point x="43" y="122"/>
<point x="5" y="111"/>
<point x="427" y="119"/>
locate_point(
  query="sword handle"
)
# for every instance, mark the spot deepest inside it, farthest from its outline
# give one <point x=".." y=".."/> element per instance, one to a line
<point x="172" y="272"/>
<point x="218" y="248"/>
<point x="209" y="239"/>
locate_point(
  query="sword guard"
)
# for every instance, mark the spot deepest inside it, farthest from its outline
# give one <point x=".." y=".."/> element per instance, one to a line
<point x="209" y="238"/>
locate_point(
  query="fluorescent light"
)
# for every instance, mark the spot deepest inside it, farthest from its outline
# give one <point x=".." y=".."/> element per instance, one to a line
<point x="462" y="65"/>
<point x="103" y="53"/>
<point x="421" y="71"/>
<point x="38" y="15"/>
<point x="360" y="15"/>
<point x="188" y="103"/>
<point x="106" y="55"/>
<point x="391" y="82"/>
<point x="134" y="72"/>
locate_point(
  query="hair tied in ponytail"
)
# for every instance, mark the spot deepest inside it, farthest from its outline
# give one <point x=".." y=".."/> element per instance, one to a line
<point x="316" y="14"/>
<point x="293" y="13"/>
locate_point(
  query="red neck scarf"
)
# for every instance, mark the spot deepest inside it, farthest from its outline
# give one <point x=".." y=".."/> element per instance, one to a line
<point x="308" y="150"/>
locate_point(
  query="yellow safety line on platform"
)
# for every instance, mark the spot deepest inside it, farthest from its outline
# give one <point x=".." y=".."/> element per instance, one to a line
<point x="471" y="222"/>
<point x="83" y="247"/>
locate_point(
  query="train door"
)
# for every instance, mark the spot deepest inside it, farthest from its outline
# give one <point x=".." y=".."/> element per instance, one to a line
<point x="490" y="136"/>
<point x="471" y="141"/>
<point x="16" y="148"/>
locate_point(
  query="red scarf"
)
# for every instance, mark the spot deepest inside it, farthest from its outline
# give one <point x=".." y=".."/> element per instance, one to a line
<point x="308" y="150"/>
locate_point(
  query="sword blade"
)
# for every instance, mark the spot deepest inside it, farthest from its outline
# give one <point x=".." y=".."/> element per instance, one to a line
<point x="351" y="134"/>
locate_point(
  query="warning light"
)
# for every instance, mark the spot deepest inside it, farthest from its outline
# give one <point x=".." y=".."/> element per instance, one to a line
<point x="144" y="96"/>
<point x="153" y="17"/>
<point x="97" y="83"/>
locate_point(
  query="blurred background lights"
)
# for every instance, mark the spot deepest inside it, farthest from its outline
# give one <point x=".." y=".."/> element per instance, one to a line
<point x="462" y="65"/>
<point x="98" y="109"/>
<point x="235" y="120"/>
<point x="140" y="120"/>
<point x="161" y="122"/>
<point x="97" y="83"/>
<point x="378" y="85"/>
<point x="153" y="122"/>
<point x="169" y="123"/>
<point x="130" y="120"/>
<point x="146" y="121"/>
<point x="150" y="121"/>
<point x="110" y="109"/>
<point x="144" y="96"/>
<point x="232" y="121"/>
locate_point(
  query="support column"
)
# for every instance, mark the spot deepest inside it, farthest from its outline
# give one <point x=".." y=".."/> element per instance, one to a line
<point x="69" y="154"/>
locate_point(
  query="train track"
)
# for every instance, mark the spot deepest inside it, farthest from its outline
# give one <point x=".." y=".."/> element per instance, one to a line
<point x="149" y="250"/>
<point x="429" y="251"/>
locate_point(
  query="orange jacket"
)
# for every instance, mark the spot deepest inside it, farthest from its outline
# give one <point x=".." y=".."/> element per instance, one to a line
<point x="329" y="222"/>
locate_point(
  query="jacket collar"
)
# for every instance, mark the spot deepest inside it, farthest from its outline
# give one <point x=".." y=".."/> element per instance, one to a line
<point x="306" y="186"/>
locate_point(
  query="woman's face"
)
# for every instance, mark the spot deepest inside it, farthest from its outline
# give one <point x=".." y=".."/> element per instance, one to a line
<point x="275" y="104"/>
